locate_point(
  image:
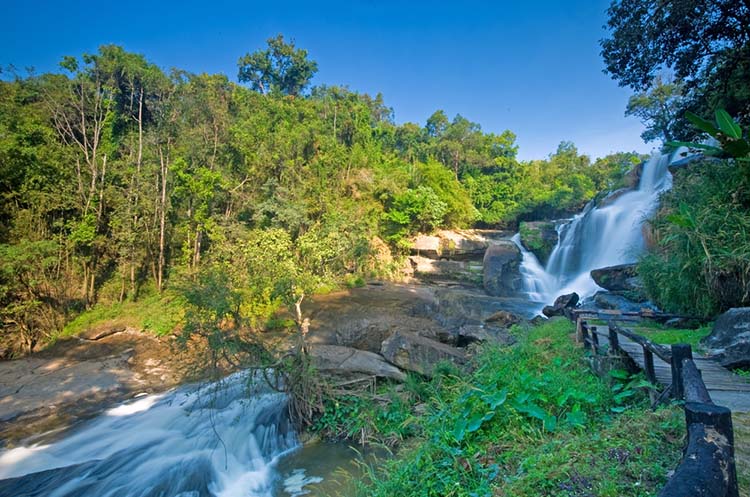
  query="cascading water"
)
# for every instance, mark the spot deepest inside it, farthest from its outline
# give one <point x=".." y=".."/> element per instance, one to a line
<point x="602" y="235"/>
<point x="212" y="440"/>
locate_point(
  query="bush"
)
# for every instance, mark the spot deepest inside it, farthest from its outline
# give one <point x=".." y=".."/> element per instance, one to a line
<point x="701" y="262"/>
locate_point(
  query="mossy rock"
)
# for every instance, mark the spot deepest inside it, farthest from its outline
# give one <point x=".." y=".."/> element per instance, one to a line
<point x="539" y="238"/>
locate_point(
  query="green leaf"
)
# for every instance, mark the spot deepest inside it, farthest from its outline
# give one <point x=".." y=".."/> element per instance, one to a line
<point x="702" y="124"/>
<point x="619" y="374"/>
<point x="497" y="399"/>
<point x="459" y="429"/>
<point x="727" y="124"/>
<point x="711" y="150"/>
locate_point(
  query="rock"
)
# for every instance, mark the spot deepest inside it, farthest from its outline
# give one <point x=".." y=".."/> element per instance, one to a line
<point x="563" y="302"/>
<point x="633" y="177"/>
<point x="99" y="333"/>
<point x="683" y="323"/>
<point x="346" y="360"/>
<point x="472" y="333"/>
<point x="617" y="278"/>
<point x="539" y="238"/>
<point x="538" y="320"/>
<point x="432" y="269"/>
<point x="731" y="329"/>
<point x="454" y="244"/>
<point x="415" y="353"/>
<point x="502" y="276"/>
<point x="736" y="356"/>
<point x="454" y="308"/>
<point x="503" y="319"/>
<point x="614" y="301"/>
<point x="649" y="235"/>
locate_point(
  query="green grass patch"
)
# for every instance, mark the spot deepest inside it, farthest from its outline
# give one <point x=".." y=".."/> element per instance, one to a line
<point x="156" y="313"/>
<point x="530" y="420"/>
<point x="669" y="336"/>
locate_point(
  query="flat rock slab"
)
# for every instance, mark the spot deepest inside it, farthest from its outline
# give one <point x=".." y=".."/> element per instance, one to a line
<point x="346" y="360"/>
<point x="419" y="354"/>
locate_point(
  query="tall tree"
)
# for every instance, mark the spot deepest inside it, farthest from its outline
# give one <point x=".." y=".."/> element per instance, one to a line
<point x="657" y="108"/>
<point x="281" y="67"/>
<point x="705" y="42"/>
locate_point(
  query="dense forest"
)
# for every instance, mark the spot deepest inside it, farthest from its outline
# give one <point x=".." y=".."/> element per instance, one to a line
<point x="119" y="179"/>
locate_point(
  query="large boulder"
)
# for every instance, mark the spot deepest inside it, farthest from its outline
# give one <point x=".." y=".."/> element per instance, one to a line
<point x="614" y="301"/>
<point x="419" y="354"/>
<point x="502" y="263"/>
<point x="347" y="361"/>
<point x="454" y="245"/>
<point x="503" y="319"/>
<point x="432" y="269"/>
<point x="633" y="177"/>
<point x="539" y="238"/>
<point x="453" y="307"/>
<point x="730" y="330"/>
<point x="617" y="278"/>
<point x="561" y="305"/>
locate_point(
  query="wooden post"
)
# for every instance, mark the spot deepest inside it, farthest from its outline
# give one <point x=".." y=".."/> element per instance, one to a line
<point x="648" y="362"/>
<point x="585" y="335"/>
<point x="595" y="339"/>
<point x="614" y="341"/>
<point x="680" y="351"/>
<point x="718" y="418"/>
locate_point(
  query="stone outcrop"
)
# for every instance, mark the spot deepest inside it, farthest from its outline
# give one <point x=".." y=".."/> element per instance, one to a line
<point x="433" y="269"/>
<point x="539" y="238"/>
<point x="455" y="245"/>
<point x="730" y="328"/>
<point x="502" y="276"/>
<point x="633" y="177"/>
<point x="454" y="308"/>
<point x="561" y="305"/>
<point x="348" y="361"/>
<point x="617" y="278"/>
<point x="412" y="352"/>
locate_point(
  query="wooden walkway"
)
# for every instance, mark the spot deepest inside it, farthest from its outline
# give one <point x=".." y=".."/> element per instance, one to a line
<point x="726" y="388"/>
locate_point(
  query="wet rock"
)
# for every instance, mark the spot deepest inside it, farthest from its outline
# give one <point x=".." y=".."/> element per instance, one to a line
<point x="633" y="177"/>
<point x="348" y="361"/>
<point x="563" y="302"/>
<point x="540" y="238"/>
<point x="730" y="330"/>
<point x="415" y="353"/>
<point x="538" y="320"/>
<point x="614" y="301"/>
<point x="736" y="356"/>
<point x="617" y="278"/>
<point x="454" y="308"/>
<point x="502" y="276"/>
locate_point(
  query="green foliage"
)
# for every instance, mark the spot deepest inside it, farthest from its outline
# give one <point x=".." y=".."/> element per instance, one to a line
<point x="725" y="130"/>
<point x="281" y="68"/>
<point x="704" y="43"/>
<point x="668" y="336"/>
<point x="702" y="232"/>
<point x="519" y="424"/>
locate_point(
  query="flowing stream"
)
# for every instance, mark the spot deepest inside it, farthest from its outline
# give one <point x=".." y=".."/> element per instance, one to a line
<point x="602" y="235"/>
<point x="210" y="440"/>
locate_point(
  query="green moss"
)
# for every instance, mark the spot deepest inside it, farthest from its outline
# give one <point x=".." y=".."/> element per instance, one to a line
<point x="534" y="239"/>
<point x="669" y="336"/>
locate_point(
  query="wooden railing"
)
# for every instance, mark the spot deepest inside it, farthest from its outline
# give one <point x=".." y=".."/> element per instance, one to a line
<point x="708" y="466"/>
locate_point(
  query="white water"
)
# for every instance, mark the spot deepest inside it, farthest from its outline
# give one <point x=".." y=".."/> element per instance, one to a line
<point x="597" y="237"/>
<point x="214" y="440"/>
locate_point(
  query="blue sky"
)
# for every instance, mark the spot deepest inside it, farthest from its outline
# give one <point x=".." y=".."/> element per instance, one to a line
<point x="531" y="67"/>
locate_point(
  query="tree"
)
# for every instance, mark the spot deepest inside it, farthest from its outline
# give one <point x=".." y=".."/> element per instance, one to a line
<point x="281" y="67"/>
<point x="705" y="42"/>
<point x="657" y="108"/>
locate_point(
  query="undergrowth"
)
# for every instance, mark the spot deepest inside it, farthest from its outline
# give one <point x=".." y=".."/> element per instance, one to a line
<point x="530" y="420"/>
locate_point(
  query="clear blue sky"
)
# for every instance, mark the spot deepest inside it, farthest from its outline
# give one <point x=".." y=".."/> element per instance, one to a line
<point x="529" y="66"/>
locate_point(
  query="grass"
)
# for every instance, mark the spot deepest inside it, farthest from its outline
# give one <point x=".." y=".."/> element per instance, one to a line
<point x="669" y="336"/>
<point x="530" y="420"/>
<point x="160" y="314"/>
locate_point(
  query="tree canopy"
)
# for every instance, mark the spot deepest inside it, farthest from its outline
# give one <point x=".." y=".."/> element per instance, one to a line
<point x="705" y="42"/>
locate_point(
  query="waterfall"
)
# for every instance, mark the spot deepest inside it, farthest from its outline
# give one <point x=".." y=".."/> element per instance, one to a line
<point x="209" y="440"/>
<point x="602" y="235"/>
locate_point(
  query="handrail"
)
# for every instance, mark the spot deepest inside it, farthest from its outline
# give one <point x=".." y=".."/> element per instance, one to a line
<point x="707" y="467"/>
